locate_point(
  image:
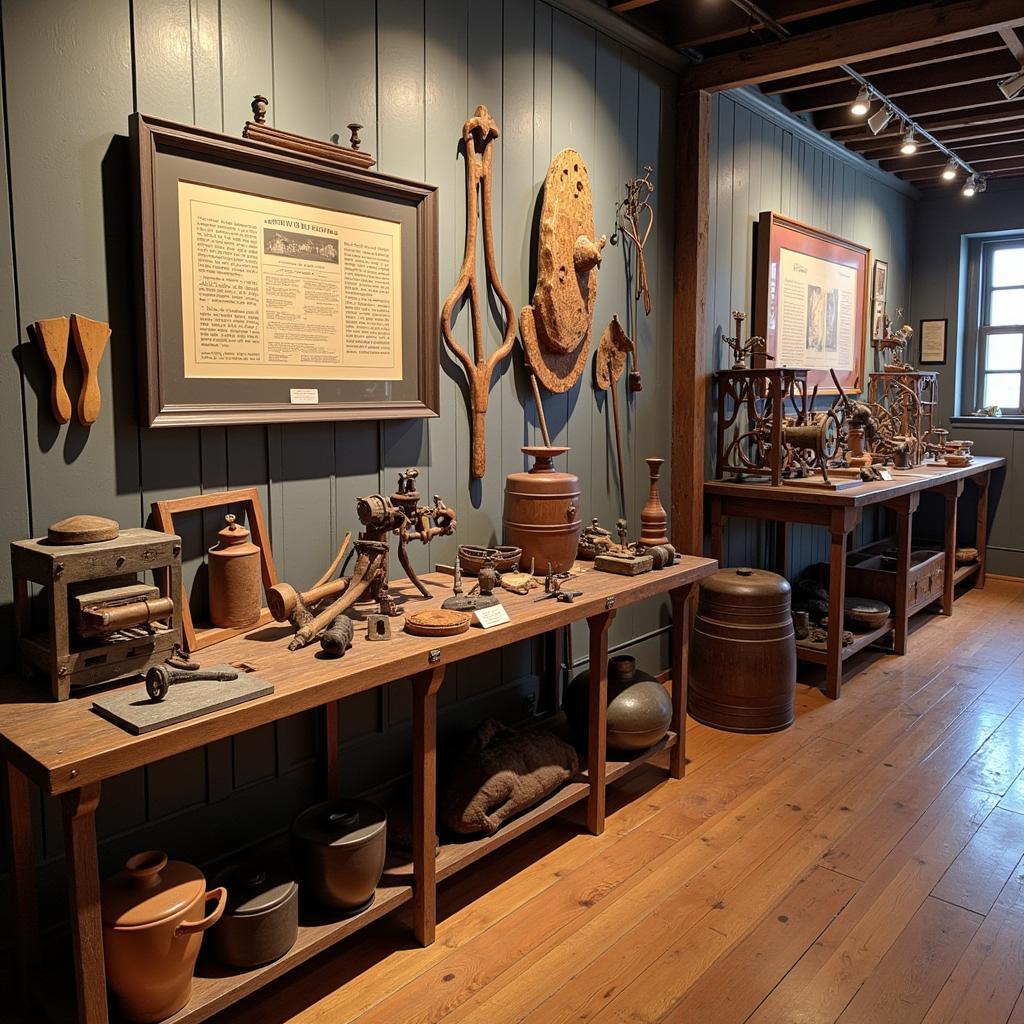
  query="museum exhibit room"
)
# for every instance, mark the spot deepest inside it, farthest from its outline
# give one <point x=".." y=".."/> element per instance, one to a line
<point x="512" y="512"/>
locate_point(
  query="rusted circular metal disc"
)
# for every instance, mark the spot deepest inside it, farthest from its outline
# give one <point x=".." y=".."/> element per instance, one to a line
<point x="437" y="622"/>
<point x="82" y="530"/>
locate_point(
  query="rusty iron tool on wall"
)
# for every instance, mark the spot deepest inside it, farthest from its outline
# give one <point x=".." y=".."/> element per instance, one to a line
<point x="612" y="351"/>
<point x="477" y="135"/>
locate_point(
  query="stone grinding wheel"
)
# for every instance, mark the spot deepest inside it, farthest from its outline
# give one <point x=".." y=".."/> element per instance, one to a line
<point x="556" y="328"/>
<point x="82" y="529"/>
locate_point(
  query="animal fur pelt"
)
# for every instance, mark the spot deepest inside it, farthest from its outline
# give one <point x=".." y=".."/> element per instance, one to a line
<point x="502" y="773"/>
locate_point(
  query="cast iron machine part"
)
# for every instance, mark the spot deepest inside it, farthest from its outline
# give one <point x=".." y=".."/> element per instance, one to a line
<point x="160" y="678"/>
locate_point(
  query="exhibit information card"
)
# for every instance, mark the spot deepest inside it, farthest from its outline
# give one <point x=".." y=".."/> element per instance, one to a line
<point x="282" y="291"/>
<point x="817" y="312"/>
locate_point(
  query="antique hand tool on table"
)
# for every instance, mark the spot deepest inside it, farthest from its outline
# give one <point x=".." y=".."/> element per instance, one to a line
<point x="477" y="135"/>
<point x="161" y="677"/>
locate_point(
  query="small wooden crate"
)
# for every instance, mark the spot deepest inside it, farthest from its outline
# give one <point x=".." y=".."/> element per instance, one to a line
<point x="871" y="572"/>
<point x="67" y="569"/>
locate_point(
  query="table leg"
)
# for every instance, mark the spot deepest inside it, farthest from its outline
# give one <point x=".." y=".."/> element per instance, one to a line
<point x="597" y="722"/>
<point x="717" y="525"/>
<point x="79" y="811"/>
<point x="22" y="868"/>
<point x="680" y="668"/>
<point x="904" y="513"/>
<point x="424" y="802"/>
<point x="951" y="493"/>
<point x="981" y="535"/>
<point x="843" y="521"/>
<point x="332" y="742"/>
<point x="782" y="542"/>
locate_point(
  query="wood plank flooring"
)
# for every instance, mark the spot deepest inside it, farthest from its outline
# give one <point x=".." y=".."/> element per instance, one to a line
<point x="866" y="866"/>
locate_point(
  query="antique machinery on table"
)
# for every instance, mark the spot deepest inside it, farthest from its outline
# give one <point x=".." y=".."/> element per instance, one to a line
<point x="400" y="514"/>
<point x="102" y="622"/>
<point x="904" y="403"/>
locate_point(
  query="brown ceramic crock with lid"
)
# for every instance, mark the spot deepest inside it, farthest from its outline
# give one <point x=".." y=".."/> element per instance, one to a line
<point x="154" y="916"/>
<point x="339" y="848"/>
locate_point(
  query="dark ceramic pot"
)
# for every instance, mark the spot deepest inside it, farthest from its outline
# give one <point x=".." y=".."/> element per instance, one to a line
<point x="639" y="707"/>
<point x="339" y="849"/>
<point x="261" y="921"/>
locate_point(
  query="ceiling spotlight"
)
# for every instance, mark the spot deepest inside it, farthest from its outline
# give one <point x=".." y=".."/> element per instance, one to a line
<point x="909" y="146"/>
<point x="1013" y="86"/>
<point x="880" y="119"/>
<point x="970" y="186"/>
<point x="949" y="171"/>
<point x="862" y="103"/>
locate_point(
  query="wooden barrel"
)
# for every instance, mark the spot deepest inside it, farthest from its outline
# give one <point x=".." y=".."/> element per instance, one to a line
<point x="743" y="653"/>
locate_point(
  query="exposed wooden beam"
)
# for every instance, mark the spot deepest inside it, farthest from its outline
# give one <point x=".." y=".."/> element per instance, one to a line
<point x="630" y="5"/>
<point x="934" y="158"/>
<point x="690" y="377"/>
<point x="1013" y="44"/>
<point x="699" y="23"/>
<point x="855" y="41"/>
<point x="987" y="67"/>
<point x="982" y="166"/>
<point x="981" y="117"/>
<point x="876" y="148"/>
<point x="893" y="62"/>
<point x="922" y="105"/>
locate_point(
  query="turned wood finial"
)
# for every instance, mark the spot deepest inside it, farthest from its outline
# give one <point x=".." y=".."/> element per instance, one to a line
<point x="354" y="141"/>
<point x="259" y="108"/>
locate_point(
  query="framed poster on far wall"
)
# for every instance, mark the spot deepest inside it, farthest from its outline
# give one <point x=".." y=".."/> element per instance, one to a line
<point x="812" y="300"/>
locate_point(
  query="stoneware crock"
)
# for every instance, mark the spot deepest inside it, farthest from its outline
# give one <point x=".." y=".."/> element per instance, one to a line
<point x="154" y="914"/>
<point x="261" y="920"/>
<point x="339" y="848"/>
<point x="639" y="707"/>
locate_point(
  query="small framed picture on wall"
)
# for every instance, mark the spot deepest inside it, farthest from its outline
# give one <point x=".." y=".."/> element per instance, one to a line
<point x="933" y="342"/>
<point x="880" y="281"/>
<point x="877" y="320"/>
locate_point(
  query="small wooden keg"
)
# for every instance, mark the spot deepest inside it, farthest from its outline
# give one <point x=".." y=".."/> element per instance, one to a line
<point x="743" y="653"/>
<point x="542" y="513"/>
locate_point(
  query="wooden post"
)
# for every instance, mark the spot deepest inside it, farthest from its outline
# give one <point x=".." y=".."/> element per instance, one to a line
<point x="597" y="722"/>
<point x="981" y="481"/>
<point x="680" y="670"/>
<point x="23" y="884"/>
<point x="783" y="535"/>
<point x="717" y="530"/>
<point x="331" y="740"/>
<point x="79" y="810"/>
<point x="904" y="509"/>
<point x="951" y="493"/>
<point x="689" y="359"/>
<point x="424" y="802"/>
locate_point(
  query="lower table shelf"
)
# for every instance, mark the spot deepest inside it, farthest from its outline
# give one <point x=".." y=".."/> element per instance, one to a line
<point x="818" y="653"/>
<point x="965" y="571"/>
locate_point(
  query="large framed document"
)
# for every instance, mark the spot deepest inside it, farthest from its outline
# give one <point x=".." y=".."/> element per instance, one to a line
<point x="811" y="302"/>
<point x="277" y="286"/>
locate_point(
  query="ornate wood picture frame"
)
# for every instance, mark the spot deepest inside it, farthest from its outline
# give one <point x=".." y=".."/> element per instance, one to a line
<point x="193" y="639"/>
<point x="824" y="282"/>
<point x="278" y="286"/>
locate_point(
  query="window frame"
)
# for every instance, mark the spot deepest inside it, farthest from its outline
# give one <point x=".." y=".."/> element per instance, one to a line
<point x="984" y="290"/>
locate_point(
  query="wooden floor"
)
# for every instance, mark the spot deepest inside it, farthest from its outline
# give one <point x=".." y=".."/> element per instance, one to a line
<point x="867" y="865"/>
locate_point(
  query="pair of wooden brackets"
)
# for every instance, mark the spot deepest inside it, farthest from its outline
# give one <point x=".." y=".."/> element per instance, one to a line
<point x="91" y="337"/>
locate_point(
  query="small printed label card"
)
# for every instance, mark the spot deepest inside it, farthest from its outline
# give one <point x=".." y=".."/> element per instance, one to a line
<point x="304" y="396"/>
<point x="493" y="616"/>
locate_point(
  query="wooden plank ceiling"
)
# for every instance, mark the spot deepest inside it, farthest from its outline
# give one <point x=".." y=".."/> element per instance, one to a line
<point x="940" y="62"/>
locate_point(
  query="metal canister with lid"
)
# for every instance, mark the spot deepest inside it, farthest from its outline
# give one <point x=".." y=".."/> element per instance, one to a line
<point x="236" y="588"/>
<point x="261" y="920"/>
<point x="743" y="653"/>
<point x="339" y="849"/>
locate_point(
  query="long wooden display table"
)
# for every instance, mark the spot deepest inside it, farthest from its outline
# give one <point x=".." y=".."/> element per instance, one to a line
<point x="840" y="512"/>
<point x="68" y="751"/>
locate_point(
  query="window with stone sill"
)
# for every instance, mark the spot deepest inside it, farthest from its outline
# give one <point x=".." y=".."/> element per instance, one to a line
<point x="999" y="372"/>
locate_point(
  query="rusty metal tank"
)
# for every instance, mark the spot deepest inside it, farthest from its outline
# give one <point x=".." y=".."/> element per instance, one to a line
<point x="542" y="513"/>
<point x="743" y="653"/>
